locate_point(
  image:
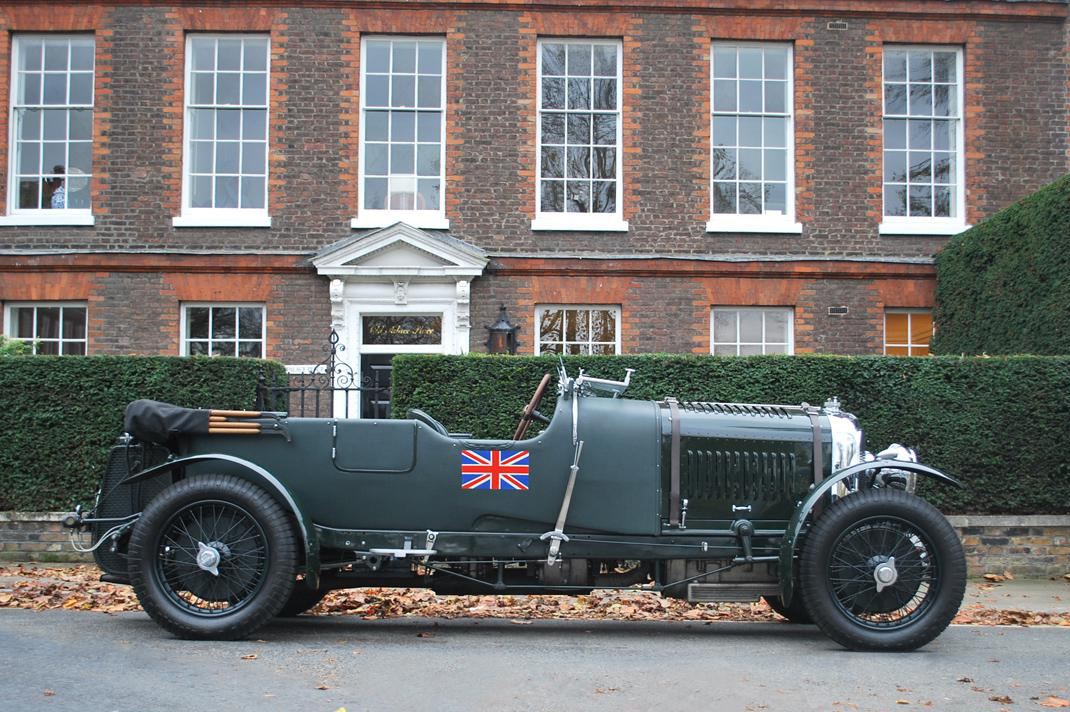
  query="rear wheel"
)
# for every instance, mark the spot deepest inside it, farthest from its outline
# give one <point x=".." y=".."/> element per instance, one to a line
<point x="882" y="570"/>
<point x="213" y="557"/>
<point x="794" y="613"/>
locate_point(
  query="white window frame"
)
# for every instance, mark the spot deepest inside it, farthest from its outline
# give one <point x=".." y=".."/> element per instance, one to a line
<point x="39" y="216"/>
<point x="220" y="217"/>
<point x="11" y="327"/>
<point x="580" y="222"/>
<point x="426" y="219"/>
<point x="790" y="311"/>
<point x="924" y="225"/>
<point x="786" y="223"/>
<point x="184" y="339"/>
<point x="542" y="308"/>
<point x="909" y="346"/>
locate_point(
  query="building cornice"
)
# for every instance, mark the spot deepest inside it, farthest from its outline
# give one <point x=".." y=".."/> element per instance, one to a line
<point x="1007" y="10"/>
<point x="776" y="266"/>
<point x="154" y="262"/>
<point x="756" y="267"/>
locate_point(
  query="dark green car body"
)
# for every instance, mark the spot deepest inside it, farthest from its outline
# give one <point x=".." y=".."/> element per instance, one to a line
<point x="402" y="474"/>
<point x="705" y="501"/>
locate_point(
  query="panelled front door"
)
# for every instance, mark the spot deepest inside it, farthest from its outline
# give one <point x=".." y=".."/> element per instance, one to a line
<point x="382" y="336"/>
<point x="375" y="385"/>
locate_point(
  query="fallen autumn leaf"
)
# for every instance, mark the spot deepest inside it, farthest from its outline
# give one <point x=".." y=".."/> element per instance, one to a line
<point x="78" y="588"/>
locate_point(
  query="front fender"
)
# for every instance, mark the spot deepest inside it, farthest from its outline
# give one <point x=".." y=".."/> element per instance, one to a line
<point x="786" y="565"/>
<point x="265" y="479"/>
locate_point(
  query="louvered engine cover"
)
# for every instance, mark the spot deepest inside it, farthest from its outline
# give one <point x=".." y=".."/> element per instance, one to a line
<point x="740" y="461"/>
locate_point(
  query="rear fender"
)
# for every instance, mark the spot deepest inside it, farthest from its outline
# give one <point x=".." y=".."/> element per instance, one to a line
<point x="786" y="566"/>
<point x="254" y="473"/>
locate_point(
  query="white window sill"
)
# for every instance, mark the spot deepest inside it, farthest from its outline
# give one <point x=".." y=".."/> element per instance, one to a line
<point x="221" y="221"/>
<point x="427" y="220"/>
<point x="579" y="222"/>
<point x="47" y="218"/>
<point x="922" y="227"/>
<point x="746" y="223"/>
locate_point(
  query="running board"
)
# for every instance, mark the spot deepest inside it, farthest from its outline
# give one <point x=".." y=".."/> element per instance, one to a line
<point x="402" y="553"/>
<point x="721" y="592"/>
<point x="408" y="550"/>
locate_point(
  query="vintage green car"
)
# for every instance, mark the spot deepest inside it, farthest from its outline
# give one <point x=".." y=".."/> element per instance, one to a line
<point x="222" y="520"/>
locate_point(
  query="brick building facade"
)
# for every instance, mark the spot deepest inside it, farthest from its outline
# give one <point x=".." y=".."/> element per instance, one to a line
<point x="722" y="176"/>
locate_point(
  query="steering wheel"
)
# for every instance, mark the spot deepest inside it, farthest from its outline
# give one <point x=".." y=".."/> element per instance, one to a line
<point x="530" y="413"/>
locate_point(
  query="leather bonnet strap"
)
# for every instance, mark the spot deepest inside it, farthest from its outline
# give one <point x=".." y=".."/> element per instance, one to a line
<point x="674" y="464"/>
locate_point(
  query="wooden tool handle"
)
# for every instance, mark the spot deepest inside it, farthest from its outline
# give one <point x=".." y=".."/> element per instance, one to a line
<point x="234" y="431"/>
<point x="233" y="424"/>
<point x="235" y="413"/>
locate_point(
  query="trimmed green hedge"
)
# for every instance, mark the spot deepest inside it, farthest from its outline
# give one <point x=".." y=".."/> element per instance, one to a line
<point x="1003" y="287"/>
<point x="1000" y="424"/>
<point x="62" y="413"/>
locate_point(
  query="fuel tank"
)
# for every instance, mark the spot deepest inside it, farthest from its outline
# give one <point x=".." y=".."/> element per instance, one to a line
<point x="739" y="461"/>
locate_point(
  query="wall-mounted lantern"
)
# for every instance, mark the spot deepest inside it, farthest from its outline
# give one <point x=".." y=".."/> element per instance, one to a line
<point x="502" y="336"/>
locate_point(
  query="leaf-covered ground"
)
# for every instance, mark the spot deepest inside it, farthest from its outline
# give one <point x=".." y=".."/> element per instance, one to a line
<point x="78" y="588"/>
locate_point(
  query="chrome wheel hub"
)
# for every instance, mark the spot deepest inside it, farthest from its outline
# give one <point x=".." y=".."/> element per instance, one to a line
<point x="885" y="574"/>
<point x="208" y="558"/>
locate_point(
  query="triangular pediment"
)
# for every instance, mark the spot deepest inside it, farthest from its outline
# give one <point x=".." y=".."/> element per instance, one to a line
<point x="399" y="254"/>
<point x="401" y="251"/>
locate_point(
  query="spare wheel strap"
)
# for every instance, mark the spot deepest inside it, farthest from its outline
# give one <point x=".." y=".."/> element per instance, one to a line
<point x="674" y="464"/>
<point x="819" y="466"/>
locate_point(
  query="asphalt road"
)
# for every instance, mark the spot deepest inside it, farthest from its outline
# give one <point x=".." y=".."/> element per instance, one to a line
<point x="125" y="662"/>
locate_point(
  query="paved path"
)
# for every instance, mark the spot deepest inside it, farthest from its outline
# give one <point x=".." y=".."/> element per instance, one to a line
<point x="125" y="662"/>
<point x="1023" y="594"/>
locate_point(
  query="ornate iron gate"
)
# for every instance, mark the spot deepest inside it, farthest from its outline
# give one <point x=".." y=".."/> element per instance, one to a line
<point x="315" y="392"/>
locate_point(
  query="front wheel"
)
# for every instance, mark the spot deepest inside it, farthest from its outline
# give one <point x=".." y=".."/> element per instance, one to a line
<point x="302" y="599"/>
<point x="882" y="570"/>
<point x="213" y="558"/>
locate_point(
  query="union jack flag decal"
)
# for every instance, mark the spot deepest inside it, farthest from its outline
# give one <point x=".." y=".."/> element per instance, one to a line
<point x="494" y="469"/>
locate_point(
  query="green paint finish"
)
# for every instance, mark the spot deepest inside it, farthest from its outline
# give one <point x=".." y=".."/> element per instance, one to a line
<point x="391" y="474"/>
<point x="403" y="475"/>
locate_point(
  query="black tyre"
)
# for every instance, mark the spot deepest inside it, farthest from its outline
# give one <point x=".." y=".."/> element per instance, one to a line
<point x="213" y="558"/>
<point x="301" y="600"/>
<point x="894" y="541"/>
<point x="795" y="612"/>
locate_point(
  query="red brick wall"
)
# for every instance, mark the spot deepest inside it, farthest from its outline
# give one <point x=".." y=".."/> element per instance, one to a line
<point x="1017" y="118"/>
<point x="135" y="302"/>
<point x="665" y="305"/>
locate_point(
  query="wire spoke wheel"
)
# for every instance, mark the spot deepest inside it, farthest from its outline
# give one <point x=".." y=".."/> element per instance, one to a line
<point x="890" y="548"/>
<point x="882" y="569"/>
<point x="213" y="557"/>
<point x="211" y="532"/>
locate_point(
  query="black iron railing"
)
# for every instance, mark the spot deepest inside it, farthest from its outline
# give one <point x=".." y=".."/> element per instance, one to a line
<point x="315" y="393"/>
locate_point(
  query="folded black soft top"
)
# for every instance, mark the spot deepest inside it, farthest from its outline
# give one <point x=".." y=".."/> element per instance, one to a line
<point x="155" y="422"/>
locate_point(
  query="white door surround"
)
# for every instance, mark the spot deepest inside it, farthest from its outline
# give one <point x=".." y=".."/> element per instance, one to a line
<point x="394" y="271"/>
